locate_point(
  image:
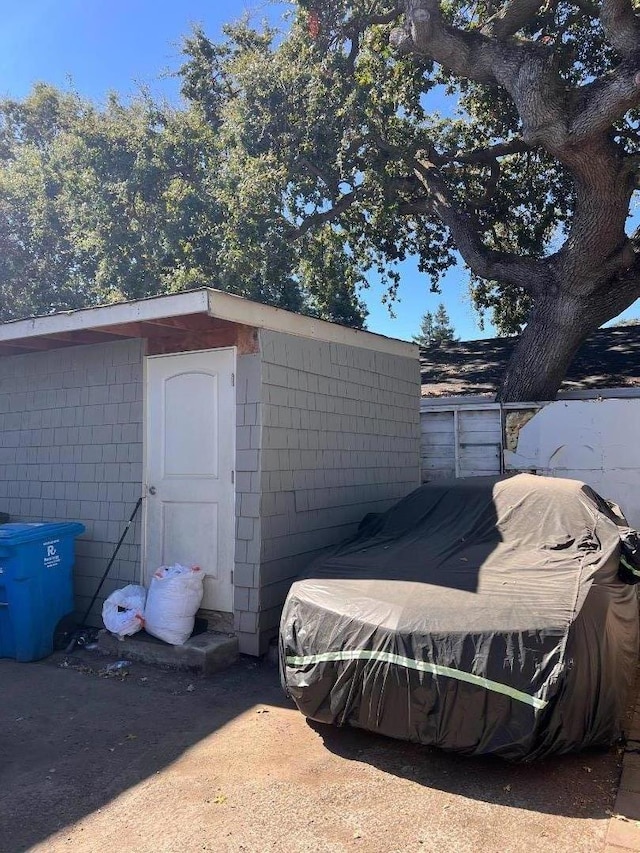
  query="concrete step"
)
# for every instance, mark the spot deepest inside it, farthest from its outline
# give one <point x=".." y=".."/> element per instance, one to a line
<point x="205" y="653"/>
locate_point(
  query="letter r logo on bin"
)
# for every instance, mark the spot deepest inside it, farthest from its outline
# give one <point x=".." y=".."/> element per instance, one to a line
<point x="51" y="550"/>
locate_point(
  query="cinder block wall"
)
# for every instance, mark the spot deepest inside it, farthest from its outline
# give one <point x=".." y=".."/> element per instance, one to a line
<point x="340" y="438"/>
<point x="71" y="449"/>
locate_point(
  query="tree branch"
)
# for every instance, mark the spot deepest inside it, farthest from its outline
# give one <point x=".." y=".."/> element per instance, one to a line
<point x="551" y="116"/>
<point x="469" y="54"/>
<point x="598" y="104"/>
<point x="486" y="263"/>
<point x="490" y="188"/>
<point x="316" y="219"/>
<point x="630" y="133"/>
<point x="621" y="26"/>
<point x="482" y="157"/>
<point x="317" y="172"/>
<point x="632" y="167"/>
<point x="526" y="70"/>
<point x="354" y="52"/>
<point x="355" y="26"/>
<point x="616" y="295"/>
<point x="510" y="18"/>
<point x="485" y="155"/>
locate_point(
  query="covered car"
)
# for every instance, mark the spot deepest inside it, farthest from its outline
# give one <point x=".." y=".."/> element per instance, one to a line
<point x="484" y="616"/>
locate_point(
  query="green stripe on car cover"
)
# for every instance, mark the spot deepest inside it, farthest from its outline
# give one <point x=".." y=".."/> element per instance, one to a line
<point x="629" y="567"/>
<point x="420" y="666"/>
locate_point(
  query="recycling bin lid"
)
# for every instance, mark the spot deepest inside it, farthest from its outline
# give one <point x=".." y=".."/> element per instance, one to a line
<point x="17" y="532"/>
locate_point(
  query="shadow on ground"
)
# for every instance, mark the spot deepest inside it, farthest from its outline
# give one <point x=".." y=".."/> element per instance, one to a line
<point x="164" y="761"/>
<point x="581" y="785"/>
<point x="574" y="786"/>
<point x="73" y="741"/>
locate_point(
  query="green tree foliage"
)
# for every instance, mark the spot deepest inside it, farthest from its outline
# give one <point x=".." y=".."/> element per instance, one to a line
<point x="435" y="328"/>
<point x="101" y="205"/>
<point x="529" y="176"/>
<point x="304" y="164"/>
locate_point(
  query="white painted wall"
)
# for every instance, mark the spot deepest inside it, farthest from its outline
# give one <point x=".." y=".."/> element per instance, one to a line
<point x="596" y="441"/>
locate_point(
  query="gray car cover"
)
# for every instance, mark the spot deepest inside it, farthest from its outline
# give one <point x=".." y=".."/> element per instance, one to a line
<point x="483" y="616"/>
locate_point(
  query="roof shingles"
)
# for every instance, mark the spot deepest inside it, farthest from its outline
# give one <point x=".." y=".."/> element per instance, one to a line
<point x="610" y="358"/>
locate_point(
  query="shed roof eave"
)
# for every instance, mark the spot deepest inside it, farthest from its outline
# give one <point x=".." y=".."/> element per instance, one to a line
<point x="103" y="316"/>
<point x="236" y="309"/>
<point x="206" y="301"/>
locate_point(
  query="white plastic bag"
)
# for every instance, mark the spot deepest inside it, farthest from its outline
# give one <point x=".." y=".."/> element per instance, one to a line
<point x="123" y="610"/>
<point x="174" y="597"/>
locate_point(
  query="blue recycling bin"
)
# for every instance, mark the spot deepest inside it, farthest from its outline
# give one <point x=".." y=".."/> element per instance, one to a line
<point x="36" y="585"/>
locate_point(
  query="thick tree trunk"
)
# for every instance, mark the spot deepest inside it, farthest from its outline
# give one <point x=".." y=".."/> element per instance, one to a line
<point x="561" y="320"/>
<point x="550" y="340"/>
<point x="596" y="272"/>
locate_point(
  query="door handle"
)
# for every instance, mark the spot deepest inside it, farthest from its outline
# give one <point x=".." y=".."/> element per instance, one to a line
<point x="152" y="490"/>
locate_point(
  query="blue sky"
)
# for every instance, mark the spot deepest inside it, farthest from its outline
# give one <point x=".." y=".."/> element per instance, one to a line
<point x="97" y="46"/>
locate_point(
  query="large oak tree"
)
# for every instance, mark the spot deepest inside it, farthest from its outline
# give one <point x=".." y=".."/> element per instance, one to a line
<point x="572" y="75"/>
<point x="530" y="179"/>
<point x="302" y="163"/>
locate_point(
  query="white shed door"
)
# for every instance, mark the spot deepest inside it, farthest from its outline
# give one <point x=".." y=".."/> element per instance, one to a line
<point x="190" y="461"/>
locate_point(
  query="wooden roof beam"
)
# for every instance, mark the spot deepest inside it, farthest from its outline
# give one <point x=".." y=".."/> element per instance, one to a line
<point x="28" y="345"/>
<point x="79" y="338"/>
<point x="164" y="328"/>
<point x="190" y="323"/>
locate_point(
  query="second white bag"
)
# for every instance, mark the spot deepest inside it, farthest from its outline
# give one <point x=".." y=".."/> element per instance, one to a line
<point x="173" y="599"/>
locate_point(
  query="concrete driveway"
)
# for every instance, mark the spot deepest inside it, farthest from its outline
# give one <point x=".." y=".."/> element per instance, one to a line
<point x="159" y="761"/>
